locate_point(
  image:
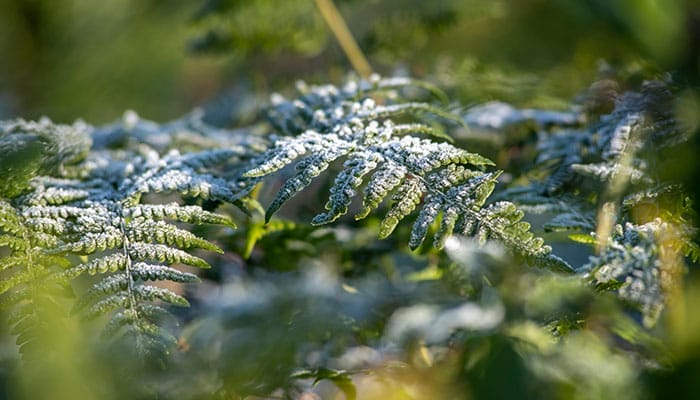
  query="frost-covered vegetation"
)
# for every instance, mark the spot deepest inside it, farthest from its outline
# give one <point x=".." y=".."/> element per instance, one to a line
<point x="469" y="248"/>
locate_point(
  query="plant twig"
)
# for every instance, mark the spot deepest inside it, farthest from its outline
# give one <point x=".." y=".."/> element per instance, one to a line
<point x="342" y="33"/>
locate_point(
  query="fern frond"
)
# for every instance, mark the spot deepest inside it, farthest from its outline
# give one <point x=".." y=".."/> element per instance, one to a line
<point x="385" y="179"/>
<point x="126" y="236"/>
<point x="606" y="172"/>
<point x="151" y="272"/>
<point x="185" y="182"/>
<point x="173" y="211"/>
<point x="163" y="253"/>
<point x="630" y="265"/>
<point x="289" y="149"/>
<point x="90" y="242"/>
<point x="137" y="319"/>
<point x="307" y="169"/>
<point x="63" y="212"/>
<point x="635" y="126"/>
<point x="55" y="227"/>
<point x="607" y="163"/>
<point x="335" y="123"/>
<point x="345" y="186"/>
<point x="422" y="129"/>
<point x="116" y="287"/>
<point x="98" y="212"/>
<point x="204" y="160"/>
<point x="652" y="194"/>
<point x="53" y="196"/>
<point x="30" y="149"/>
<point x="25" y="287"/>
<point x="406" y="198"/>
<point x="10" y="222"/>
<point x="13" y="242"/>
<point x="164" y="233"/>
<point x="109" y="263"/>
<point x="123" y="299"/>
<point x="504" y="221"/>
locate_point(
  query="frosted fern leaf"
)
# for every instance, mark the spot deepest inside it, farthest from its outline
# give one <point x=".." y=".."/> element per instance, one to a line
<point x="133" y="243"/>
<point x="615" y="160"/>
<point x="28" y="150"/>
<point x="631" y="265"/>
<point x="386" y="157"/>
<point x="25" y="287"/>
<point x="98" y="210"/>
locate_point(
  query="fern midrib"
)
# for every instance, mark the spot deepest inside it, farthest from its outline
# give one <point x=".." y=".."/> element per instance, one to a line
<point x="30" y="265"/>
<point x="445" y="198"/>
<point x="127" y="267"/>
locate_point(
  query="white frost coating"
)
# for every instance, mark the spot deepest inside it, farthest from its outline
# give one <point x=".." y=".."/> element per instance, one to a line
<point x="606" y="172"/>
<point x="631" y="259"/>
<point x="426" y="217"/>
<point x="344" y="187"/>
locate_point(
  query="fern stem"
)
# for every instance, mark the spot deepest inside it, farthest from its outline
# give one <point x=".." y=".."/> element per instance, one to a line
<point x="342" y="33"/>
<point x="127" y="266"/>
<point x="30" y="268"/>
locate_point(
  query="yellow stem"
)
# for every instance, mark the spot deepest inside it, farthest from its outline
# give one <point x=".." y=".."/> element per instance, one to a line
<point x="340" y="29"/>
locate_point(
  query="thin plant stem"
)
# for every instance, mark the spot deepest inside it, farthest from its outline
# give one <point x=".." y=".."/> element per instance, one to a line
<point x="342" y="33"/>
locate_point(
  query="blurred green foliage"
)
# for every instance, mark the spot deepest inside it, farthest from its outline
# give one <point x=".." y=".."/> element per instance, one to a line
<point x="80" y="59"/>
<point x="71" y="59"/>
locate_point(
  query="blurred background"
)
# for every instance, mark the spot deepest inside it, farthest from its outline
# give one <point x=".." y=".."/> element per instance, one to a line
<point x="70" y="59"/>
